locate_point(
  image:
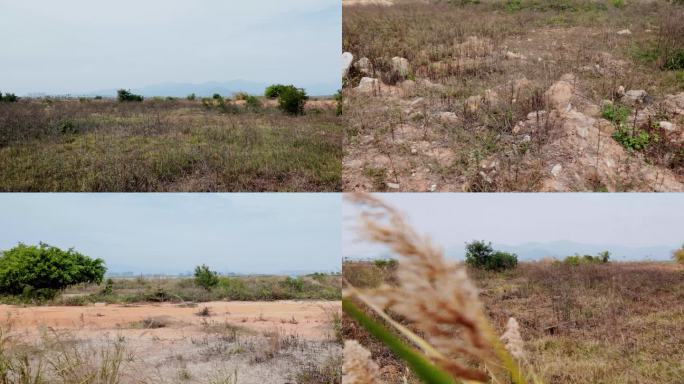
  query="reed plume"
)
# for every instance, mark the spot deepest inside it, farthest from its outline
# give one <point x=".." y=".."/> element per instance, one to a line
<point x="436" y="297"/>
<point x="358" y="367"/>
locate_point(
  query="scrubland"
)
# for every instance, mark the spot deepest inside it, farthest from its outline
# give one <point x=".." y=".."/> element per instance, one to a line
<point x="612" y="323"/>
<point x="92" y="145"/>
<point x="167" y="330"/>
<point x="517" y="95"/>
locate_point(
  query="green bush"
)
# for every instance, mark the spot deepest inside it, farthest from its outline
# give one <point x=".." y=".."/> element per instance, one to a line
<point x="291" y="100"/>
<point x="191" y="97"/>
<point x="678" y="255"/>
<point x="252" y="103"/>
<point x="577" y="259"/>
<point x="273" y="91"/>
<point x="8" y="98"/>
<point x="675" y="61"/>
<point x="124" y="95"/>
<point x="339" y="99"/>
<point x="39" y="271"/>
<point x="295" y="284"/>
<point x="481" y="255"/>
<point x="386" y="263"/>
<point x="216" y="96"/>
<point x="631" y="139"/>
<point x="205" y="277"/>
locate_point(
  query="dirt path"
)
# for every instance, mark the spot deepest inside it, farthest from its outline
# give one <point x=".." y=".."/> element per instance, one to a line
<point x="308" y="319"/>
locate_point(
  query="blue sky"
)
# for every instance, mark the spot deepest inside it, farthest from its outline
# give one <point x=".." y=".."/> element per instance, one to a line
<point x="171" y="233"/>
<point x="79" y="46"/>
<point x="626" y="220"/>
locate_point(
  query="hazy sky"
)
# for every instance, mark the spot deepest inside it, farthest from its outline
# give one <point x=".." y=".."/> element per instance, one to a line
<point x="171" y="233"/>
<point x="635" y="220"/>
<point x="72" y="46"/>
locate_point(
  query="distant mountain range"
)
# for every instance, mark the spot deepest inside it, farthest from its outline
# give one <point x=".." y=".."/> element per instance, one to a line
<point x="206" y="89"/>
<point x="560" y="249"/>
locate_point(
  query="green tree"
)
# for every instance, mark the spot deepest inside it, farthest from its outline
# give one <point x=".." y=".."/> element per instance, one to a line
<point x="124" y="95"/>
<point x="273" y="91"/>
<point x="42" y="270"/>
<point x="205" y="277"/>
<point x="480" y="254"/>
<point x="291" y="100"/>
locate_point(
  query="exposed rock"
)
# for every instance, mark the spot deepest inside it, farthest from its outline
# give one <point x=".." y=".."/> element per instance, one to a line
<point x="559" y="95"/>
<point x="514" y="56"/>
<point x="401" y="66"/>
<point x="624" y="32"/>
<point x="666" y="125"/>
<point x="368" y="85"/>
<point x="393" y="185"/>
<point x="448" y="117"/>
<point x="556" y="170"/>
<point x="347" y="59"/>
<point x="364" y="66"/>
<point x="674" y="104"/>
<point x="433" y="188"/>
<point x="635" y="96"/>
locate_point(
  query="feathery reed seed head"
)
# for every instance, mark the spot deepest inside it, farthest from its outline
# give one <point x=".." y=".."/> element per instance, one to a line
<point x="357" y="366"/>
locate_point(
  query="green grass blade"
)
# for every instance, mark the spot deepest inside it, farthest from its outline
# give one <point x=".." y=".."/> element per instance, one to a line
<point x="424" y="369"/>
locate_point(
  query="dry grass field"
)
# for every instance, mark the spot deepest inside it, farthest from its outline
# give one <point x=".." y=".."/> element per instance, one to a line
<point x="164" y="337"/>
<point x="167" y="145"/>
<point x="515" y="95"/>
<point x="613" y="323"/>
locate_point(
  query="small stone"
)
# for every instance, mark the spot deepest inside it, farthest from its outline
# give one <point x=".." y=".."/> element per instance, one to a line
<point x="401" y="66"/>
<point x="624" y="32"/>
<point x="514" y="56"/>
<point x="393" y="185"/>
<point x="526" y="139"/>
<point x="556" y="170"/>
<point x="347" y="59"/>
<point x="414" y="150"/>
<point x="368" y="85"/>
<point x="433" y="188"/>
<point x="666" y="125"/>
<point x="364" y="66"/>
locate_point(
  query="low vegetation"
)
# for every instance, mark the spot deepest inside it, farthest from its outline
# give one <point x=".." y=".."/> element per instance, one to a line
<point x="166" y="144"/>
<point x="481" y="255"/>
<point x="678" y="255"/>
<point x="486" y="96"/>
<point x="601" y="258"/>
<point x="595" y="322"/>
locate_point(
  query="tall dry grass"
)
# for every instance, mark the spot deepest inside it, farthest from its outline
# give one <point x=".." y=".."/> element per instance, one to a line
<point x="438" y="305"/>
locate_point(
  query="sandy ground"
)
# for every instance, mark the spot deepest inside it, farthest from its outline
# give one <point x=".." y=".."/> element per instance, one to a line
<point x="273" y="341"/>
<point x="308" y="319"/>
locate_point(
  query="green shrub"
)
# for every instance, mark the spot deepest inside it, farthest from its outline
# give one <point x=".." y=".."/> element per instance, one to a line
<point x="577" y="259"/>
<point x="98" y="98"/>
<point x="678" y="255"/>
<point x="291" y="100"/>
<point x="481" y="255"/>
<point x="633" y="140"/>
<point x="252" y="103"/>
<point x="386" y="263"/>
<point x="191" y="97"/>
<point x="618" y="3"/>
<point x="295" y="284"/>
<point x="273" y="91"/>
<point x="39" y="271"/>
<point x="675" y="61"/>
<point x="216" y="96"/>
<point x="126" y="96"/>
<point x="205" y="277"/>
<point x="339" y="99"/>
<point x="8" y="98"/>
